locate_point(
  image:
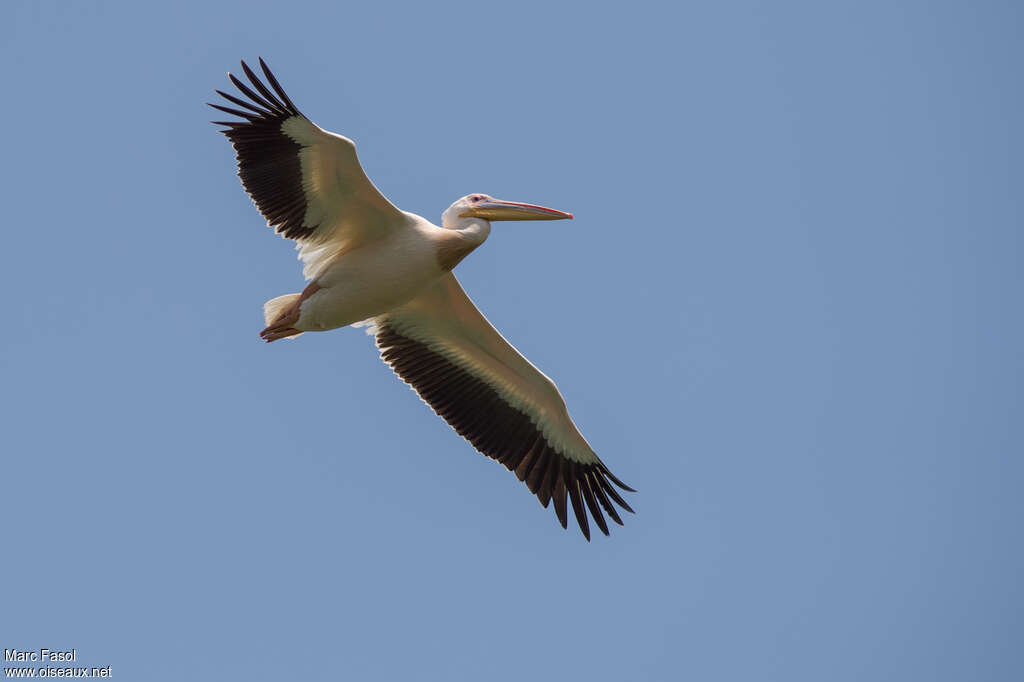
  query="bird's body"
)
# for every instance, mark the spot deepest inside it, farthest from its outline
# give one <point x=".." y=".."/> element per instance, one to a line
<point x="373" y="278"/>
<point x="371" y="264"/>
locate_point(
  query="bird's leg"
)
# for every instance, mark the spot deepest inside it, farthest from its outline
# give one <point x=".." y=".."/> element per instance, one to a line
<point x="282" y="327"/>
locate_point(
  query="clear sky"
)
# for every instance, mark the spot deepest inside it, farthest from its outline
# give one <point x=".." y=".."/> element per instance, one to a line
<point x="788" y="312"/>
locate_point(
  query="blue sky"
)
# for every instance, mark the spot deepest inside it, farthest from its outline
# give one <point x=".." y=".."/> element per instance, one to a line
<point x="787" y="312"/>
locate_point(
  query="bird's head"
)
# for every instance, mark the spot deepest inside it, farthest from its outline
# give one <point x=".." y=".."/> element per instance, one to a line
<point x="488" y="208"/>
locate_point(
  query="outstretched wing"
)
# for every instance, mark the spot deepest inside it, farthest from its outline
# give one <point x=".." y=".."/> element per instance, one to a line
<point x="306" y="182"/>
<point x="442" y="346"/>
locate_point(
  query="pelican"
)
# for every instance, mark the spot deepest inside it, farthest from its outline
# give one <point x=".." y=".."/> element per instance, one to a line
<point x="370" y="264"/>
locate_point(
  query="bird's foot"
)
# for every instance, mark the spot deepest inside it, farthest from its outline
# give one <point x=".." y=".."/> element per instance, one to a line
<point x="278" y="332"/>
<point x="282" y="327"/>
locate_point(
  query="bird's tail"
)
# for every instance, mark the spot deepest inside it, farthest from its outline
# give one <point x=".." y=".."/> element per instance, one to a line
<point x="273" y="309"/>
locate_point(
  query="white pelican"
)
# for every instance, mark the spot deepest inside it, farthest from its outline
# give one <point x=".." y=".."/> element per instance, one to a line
<point x="370" y="264"/>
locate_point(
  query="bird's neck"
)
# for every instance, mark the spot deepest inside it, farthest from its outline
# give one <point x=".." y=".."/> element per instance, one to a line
<point x="458" y="238"/>
<point x="473" y="230"/>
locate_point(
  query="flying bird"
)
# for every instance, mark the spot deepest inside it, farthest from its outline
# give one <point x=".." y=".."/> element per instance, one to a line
<point x="371" y="264"/>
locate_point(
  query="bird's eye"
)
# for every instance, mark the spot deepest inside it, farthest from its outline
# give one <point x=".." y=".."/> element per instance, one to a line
<point x="476" y="198"/>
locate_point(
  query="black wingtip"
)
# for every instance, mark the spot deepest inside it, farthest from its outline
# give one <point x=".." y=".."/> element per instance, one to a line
<point x="559" y="499"/>
<point x="277" y="87"/>
<point x="235" y="112"/>
<point x="247" y="91"/>
<point x="595" y="510"/>
<point x="595" y="483"/>
<point x="279" y="107"/>
<point x="241" y="103"/>
<point x="615" y="480"/>
<point x="577" y="502"/>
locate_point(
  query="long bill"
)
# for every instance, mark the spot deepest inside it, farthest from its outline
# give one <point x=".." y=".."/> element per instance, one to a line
<point x="496" y="209"/>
